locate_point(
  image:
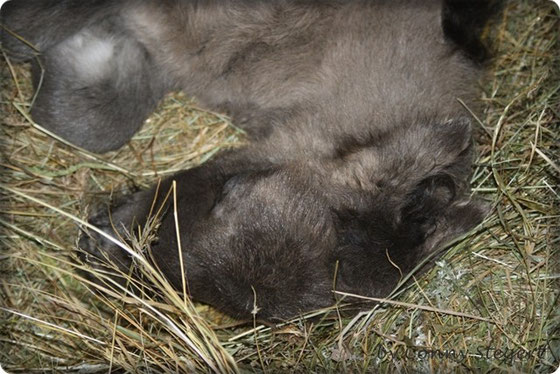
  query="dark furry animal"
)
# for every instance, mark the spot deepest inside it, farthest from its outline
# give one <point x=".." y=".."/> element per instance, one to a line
<point x="361" y="152"/>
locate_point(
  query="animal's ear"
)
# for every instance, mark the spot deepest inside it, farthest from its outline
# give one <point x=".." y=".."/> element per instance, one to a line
<point x="422" y="207"/>
<point x="458" y="219"/>
<point x="436" y="212"/>
<point x="430" y="200"/>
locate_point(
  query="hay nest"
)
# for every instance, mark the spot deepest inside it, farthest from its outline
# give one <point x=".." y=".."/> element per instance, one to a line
<point x="492" y="303"/>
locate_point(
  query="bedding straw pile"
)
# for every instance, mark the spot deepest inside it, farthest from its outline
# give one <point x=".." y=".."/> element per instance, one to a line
<point x="490" y="304"/>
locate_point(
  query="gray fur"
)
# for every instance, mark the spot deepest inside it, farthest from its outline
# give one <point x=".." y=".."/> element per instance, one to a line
<point x="361" y="152"/>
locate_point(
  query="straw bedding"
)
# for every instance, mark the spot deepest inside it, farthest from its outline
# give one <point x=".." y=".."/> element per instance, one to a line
<point x="490" y="304"/>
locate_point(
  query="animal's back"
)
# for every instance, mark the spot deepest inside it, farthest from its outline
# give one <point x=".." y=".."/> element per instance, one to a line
<point x="322" y="70"/>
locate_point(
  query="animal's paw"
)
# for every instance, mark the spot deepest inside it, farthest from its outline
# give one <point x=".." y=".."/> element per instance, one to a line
<point x="103" y="246"/>
<point x="114" y="236"/>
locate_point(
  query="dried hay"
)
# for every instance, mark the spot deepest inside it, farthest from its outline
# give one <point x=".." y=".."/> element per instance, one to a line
<point x="491" y="304"/>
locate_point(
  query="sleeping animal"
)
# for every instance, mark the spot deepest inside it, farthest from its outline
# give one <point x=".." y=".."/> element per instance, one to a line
<point x="360" y="154"/>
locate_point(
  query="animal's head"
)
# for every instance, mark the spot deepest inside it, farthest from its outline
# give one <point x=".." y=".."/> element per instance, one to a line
<point x="280" y="237"/>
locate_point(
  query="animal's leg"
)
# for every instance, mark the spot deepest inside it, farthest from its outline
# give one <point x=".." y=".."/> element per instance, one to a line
<point x="96" y="81"/>
<point x="97" y="87"/>
<point x="35" y="26"/>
